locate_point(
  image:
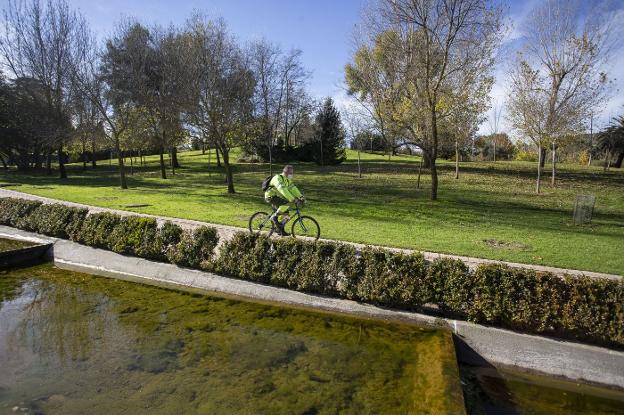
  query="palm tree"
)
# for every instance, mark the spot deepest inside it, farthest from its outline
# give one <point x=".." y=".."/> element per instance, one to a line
<point x="611" y="142"/>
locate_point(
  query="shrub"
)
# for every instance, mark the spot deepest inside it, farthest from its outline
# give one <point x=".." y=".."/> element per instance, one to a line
<point x="195" y="249"/>
<point x="320" y="267"/>
<point x="97" y="230"/>
<point x="583" y="158"/>
<point x="169" y="235"/>
<point x="13" y="210"/>
<point x="136" y="235"/>
<point x="450" y="285"/>
<point x="522" y="299"/>
<point x="522" y="155"/>
<point x="246" y="256"/>
<point x="392" y="278"/>
<point x="594" y="309"/>
<point x="308" y="266"/>
<point x="54" y="220"/>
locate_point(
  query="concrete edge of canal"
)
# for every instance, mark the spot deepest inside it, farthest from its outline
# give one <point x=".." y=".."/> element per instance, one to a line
<point x="475" y="344"/>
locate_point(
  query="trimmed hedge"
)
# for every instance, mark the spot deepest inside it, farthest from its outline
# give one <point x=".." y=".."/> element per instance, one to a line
<point x="580" y="308"/>
<point x="128" y="235"/>
<point x="14" y="210"/>
<point x="194" y="250"/>
<point x="54" y="220"/>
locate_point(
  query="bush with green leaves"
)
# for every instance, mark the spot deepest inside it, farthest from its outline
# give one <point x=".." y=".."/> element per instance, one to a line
<point x="594" y="309"/>
<point x="97" y="230"/>
<point x="392" y="279"/>
<point x="581" y="308"/>
<point x="12" y="210"/>
<point x="517" y="298"/>
<point x="55" y="220"/>
<point x="308" y="266"/>
<point x="169" y="234"/>
<point x="195" y="248"/>
<point x="246" y="256"/>
<point x="450" y="285"/>
<point x="136" y="235"/>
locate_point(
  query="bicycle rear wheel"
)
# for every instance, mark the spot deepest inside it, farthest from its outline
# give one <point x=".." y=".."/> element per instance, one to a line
<point x="260" y="222"/>
<point x="306" y="226"/>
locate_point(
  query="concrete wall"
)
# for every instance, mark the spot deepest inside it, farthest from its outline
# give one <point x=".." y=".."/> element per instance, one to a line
<point x="475" y="342"/>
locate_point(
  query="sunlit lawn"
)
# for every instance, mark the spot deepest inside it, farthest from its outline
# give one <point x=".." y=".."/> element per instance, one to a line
<point x="491" y="211"/>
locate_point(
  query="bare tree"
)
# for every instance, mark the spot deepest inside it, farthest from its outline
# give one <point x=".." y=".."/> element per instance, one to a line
<point x="223" y="89"/>
<point x="557" y="79"/>
<point x="494" y="122"/>
<point x="40" y="42"/>
<point x="279" y="94"/>
<point x="356" y="124"/>
<point x="436" y="54"/>
<point x="98" y="79"/>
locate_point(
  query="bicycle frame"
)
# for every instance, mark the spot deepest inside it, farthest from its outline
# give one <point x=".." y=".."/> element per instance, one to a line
<point x="296" y="215"/>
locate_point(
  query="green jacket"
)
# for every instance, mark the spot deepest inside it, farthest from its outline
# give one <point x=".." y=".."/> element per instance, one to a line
<point x="282" y="187"/>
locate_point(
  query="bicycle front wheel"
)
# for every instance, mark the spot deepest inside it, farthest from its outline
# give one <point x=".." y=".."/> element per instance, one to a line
<point x="306" y="226"/>
<point x="260" y="222"/>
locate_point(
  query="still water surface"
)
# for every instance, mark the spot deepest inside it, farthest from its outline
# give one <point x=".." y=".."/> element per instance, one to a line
<point x="73" y="344"/>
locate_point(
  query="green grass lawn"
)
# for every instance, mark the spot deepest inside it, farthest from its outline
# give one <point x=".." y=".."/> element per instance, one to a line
<point x="490" y="212"/>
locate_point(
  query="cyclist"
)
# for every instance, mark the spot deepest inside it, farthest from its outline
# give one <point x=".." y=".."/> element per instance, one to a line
<point x="282" y="195"/>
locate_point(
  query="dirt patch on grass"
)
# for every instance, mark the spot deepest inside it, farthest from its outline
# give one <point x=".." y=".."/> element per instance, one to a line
<point x="137" y="205"/>
<point x="511" y="245"/>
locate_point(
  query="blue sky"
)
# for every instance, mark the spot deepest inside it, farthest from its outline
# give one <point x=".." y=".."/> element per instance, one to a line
<point x="322" y="29"/>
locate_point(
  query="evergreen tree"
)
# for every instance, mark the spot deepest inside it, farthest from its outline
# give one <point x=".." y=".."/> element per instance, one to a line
<point x="330" y="136"/>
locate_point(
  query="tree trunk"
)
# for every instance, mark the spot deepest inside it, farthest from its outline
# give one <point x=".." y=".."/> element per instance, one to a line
<point x="434" y="154"/>
<point x="163" y="172"/>
<point x="49" y="162"/>
<point x="359" y="166"/>
<point x="172" y="163"/>
<point x="228" y="172"/>
<point x="93" y="162"/>
<point x="62" y="171"/>
<point x="174" y="158"/>
<point x="38" y="162"/>
<point x="434" y="181"/>
<point x="270" y="155"/>
<point x="84" y="157"/>
<point x="539" y="167"/>
<point x="218" y="158"/>
<point x="618" y="162"/>
<point x="554" y="165"/>
<point x="419" y="172"/>
<point x="426" y="160"/>
<point x="131" y="165"/>
<point x="457" y="159"/>
<point x="542" y="156"/>
<point x="122" y="170"/>
<point x="494" y="148"/>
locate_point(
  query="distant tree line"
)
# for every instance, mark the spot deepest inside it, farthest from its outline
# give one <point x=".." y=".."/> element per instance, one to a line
<point x="149" y="90"/>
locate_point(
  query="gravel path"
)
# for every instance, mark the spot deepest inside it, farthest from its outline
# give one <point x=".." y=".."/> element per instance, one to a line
<point x="226" y="232"/>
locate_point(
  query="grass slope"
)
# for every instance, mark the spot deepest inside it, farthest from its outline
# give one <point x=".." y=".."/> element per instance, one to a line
<point x="490" y="212"/>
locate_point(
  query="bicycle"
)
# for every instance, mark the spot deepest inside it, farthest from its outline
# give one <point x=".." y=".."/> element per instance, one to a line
<point x="302" y="226"/>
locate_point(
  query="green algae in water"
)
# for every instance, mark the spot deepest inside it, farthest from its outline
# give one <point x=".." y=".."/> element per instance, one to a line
<point x="491" y="391"/>
<point x="72" y="343"/>
<point x="12" y="244"/>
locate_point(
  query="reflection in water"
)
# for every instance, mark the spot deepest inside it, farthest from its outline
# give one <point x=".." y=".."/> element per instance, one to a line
<point x="71" y="343"/>
<point x="503" y="392"/>
<point x="11" y="244"/>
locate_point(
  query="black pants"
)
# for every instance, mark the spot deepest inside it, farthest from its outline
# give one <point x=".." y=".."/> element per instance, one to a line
<point x="276" y="202"/>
